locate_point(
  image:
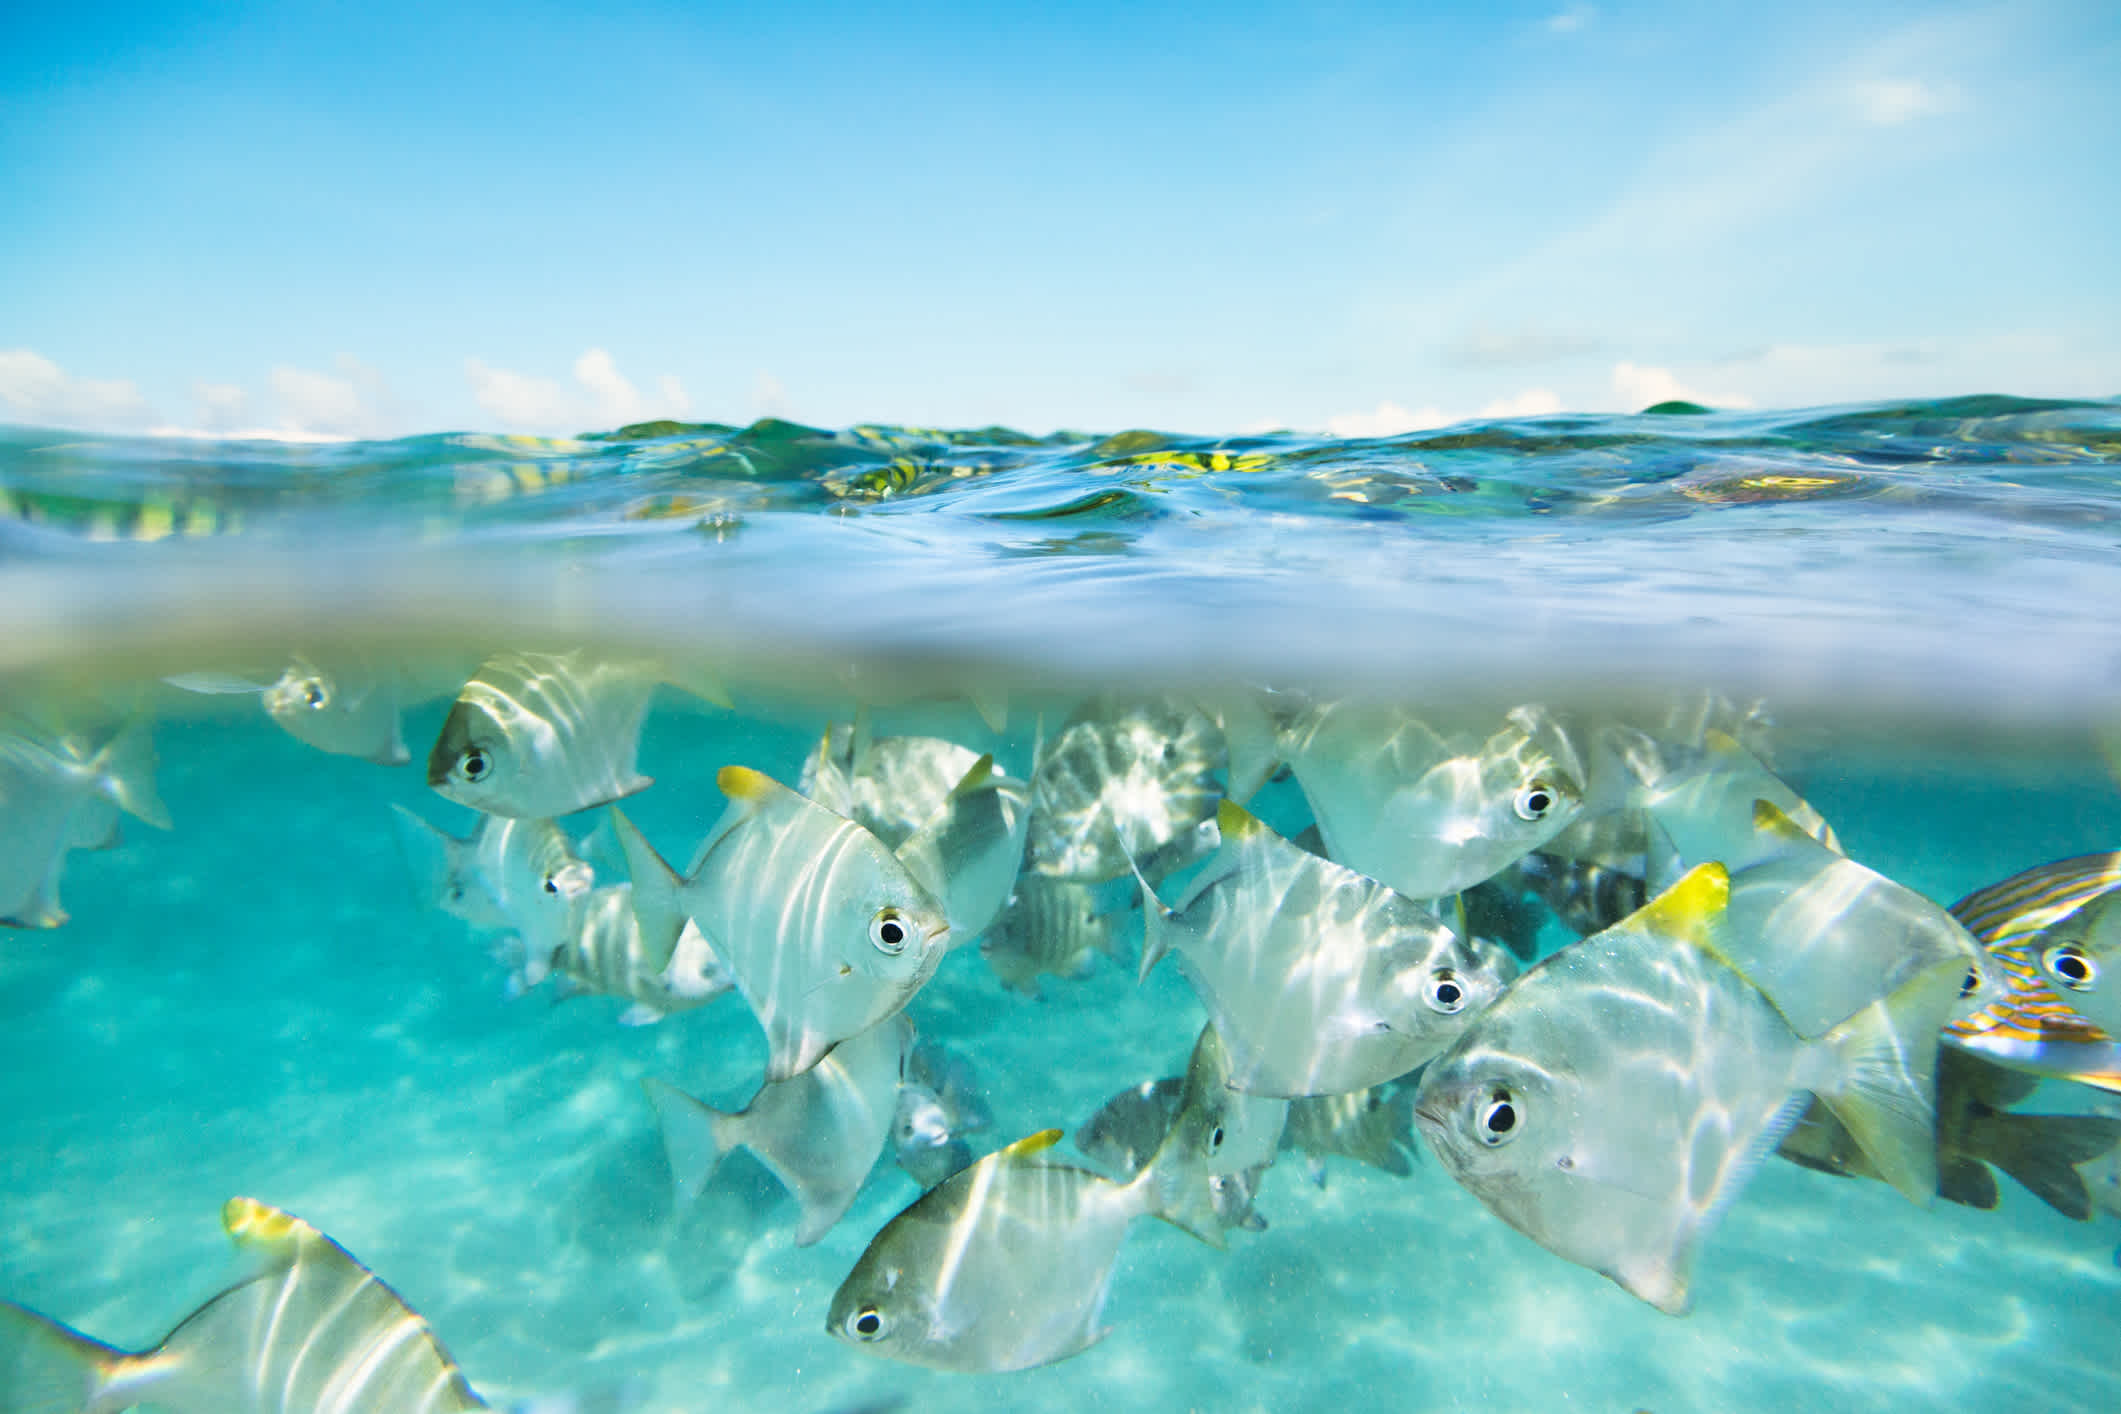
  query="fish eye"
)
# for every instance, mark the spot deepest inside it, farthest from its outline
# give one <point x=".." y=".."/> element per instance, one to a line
<point x="475" y="764"/>
<point x="891" y="932"/>
<point x="1446" y="993"/>
<point x="1498" y="1119"/>
<point x="2071" y="966"/>
<point x="867" y="1324"/>
<point x="1534" y="800"/>
<point x="315" y="695"/>
<point x="1215" y="1139"/>
<point x="552" y="883"/>
<point x="1972" y="983"/>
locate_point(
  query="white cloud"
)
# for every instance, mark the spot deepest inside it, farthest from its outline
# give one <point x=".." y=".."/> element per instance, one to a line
<point x="602" y="396"/>
<point x="1889" y="102"/>
<point x="1642" y="385"/>
<point x="1532" y="402"/>
<point x="34" y="389"/>
<point x="354" y="401"/>
<point x="769" y="398"/>
<point x="1388" y="419"/>
<point x="220" y="406"/>
<point x="1570" y="20"/>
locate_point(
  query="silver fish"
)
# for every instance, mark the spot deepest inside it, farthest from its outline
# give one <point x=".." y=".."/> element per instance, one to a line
<point x="308" y="1331"/>
<point x="1125" y="787"/>
<point x="1426" y="814"/>
<point x="970" y="849"/>
<point x="825" y="931"/>
<point x="1319" y="980"/>
<point x="1619" y="1096"/>
<point x="1126" y="1133"/>
<point x="346" y="709"/>
<point x="1702" y="802"/>
<point x="819" y="1132"/>
<point x="1374" y="1126"/>
<point x="519" y="875"/>
<point x="1586" y="897"/>
<point x="57" y="795"/>
<point x="539" y="735"/>
<point x="1003" y="1267"/>
<point x="890" y="785"/>
<point x="939" y="1104"/>
<point x="607" y="955"/>
<point x="1050" y="925"/>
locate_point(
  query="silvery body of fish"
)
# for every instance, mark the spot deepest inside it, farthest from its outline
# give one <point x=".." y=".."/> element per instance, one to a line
<point x="1318" y="979"/>
<point x="57" y="795"/>
<point x="518" y="875"/>
<point x="940" y="1103"/>
<point x="2053" y="939"/>
<point x="347" y="709"/>
<point x="538" y="735"/>
<point x="970" y="849"/>
<point x="1619" y="1096"/>
<point x="1002" y="1267"/>
<point x="1703" y="800"/>
<point x="606" y="955"/>
<point x="1050" y="925"/>
<point x="819" y="1132"/>
<point x="1125" y="787"/>
<point x="1429" y="814"/>
<point x="890" y="785"/>
<point x="825" y="931"/>
<point x="1374" y="1127"/>
<point x="1129" y="1129"/>
<point x="308" y="1331"/>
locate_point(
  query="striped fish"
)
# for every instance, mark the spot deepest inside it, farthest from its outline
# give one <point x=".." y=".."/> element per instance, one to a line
<point x="308" y="1331"/>
<point x="2046" y="931"/>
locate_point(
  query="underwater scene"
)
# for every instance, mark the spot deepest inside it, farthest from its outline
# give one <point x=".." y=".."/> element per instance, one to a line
<point x="1620" y="912"/>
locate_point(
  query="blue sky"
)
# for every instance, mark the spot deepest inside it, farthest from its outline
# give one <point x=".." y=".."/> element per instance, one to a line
<point x="377" y="219"/>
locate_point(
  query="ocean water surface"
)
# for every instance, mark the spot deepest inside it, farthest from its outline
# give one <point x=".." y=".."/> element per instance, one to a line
<point x="1911" y="607"/>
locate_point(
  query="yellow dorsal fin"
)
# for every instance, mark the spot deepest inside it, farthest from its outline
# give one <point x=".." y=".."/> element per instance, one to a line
<point x="976" y="776"/>
<point x="1235" y="821"/>
<point x="1769" y="819"/>
<point x="743" y="783"/>
<point x="253" y="1224"/>
<point x="1031" y="1144"/>
<point x="1722" y="743"/>
<point x="1690" y="908"/>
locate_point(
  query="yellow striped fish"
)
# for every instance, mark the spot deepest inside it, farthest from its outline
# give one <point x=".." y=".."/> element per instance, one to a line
<point x="2047" y="931"/>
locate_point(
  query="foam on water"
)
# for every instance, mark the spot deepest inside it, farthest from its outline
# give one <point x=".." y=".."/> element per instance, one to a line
<point x="256" y="1003"/>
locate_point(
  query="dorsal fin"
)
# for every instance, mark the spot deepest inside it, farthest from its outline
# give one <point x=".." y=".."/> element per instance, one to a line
<point x="1769" y="819"/>
<point x="1235" y="822"/>
<point x="976" y="776"/>
<point x="1031" y="1144"/>
<point x="1691" y="908"/>
<point x="743" y="783"/>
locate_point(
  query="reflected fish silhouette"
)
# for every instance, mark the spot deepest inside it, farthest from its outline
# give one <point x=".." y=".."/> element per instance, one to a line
<point x="539" y="735"/>
<point x="308" y="1331"/>
<point x="57" y="795"/>
<point x="2053" y="939"/>
<point x="825" y="931"/>
<point x="1619" y="1096"/>
<point x="1319" y="980"/>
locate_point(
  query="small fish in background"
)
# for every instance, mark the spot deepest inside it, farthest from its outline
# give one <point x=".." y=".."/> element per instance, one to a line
<point x="606" y="955"/>
<point x="1125" y="788"/>
<point x="57" y="795"/>
<point x="1373" y="1126"/>
<point x="889" y="785"/>
<point x="2102" y="1176"/>
<point x="1585" y="897"/>
<point x="1976" y="1129"/>
<point x="940" y="1103"/>
<point x="969" y="851"/>
<point x="308" y="1328"/>
<point x="1050" y="926"/>
<point x="818" y="1132"/>
<point x="522" y="876"/>
<point x="1003" y="1267"/>
<point x="1319" y="980"/>
<point x="1617" y="1099"/>
<point x="1207" y="1165"/>
<point x="1127" y="1129"/>
<point x="824" y="929"/>
<point x="1428" y="814"/>
<point x="1504" y="911"/>
<point x="540" y="735"/>
<point x="2052" y="935"/>
<point x="346" y="708"/>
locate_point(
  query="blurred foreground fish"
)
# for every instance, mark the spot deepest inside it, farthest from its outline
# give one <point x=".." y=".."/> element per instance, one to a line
<point x="1975" y="1128"/>
<point x="1049" y="925"/>
<point x="1319" y="980"/>
<point x="57" y="795"/>
<point x="1619" y="1096"/>
<point x="1125" y="787"/>
<point x="1425" y="814"/>
<point x="347" y="708"/>
<point x="825" y="931"/>
<point x="2053" y="938"/>
<point x="308" y="1331"/>
<point x="518" y="875"/>
<point x="819" y="1132"/>
<point x="539" y="735"/>
<point x="1003" y="1267"/>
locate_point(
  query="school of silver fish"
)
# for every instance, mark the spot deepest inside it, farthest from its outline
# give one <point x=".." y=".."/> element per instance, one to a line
<point x="1603" y="968"/>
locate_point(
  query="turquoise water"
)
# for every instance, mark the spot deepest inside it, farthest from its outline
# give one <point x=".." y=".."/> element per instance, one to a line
<point x="257" y="1002"/>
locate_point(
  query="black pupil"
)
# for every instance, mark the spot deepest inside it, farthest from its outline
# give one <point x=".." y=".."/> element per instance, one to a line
<point x="552" y="885"/>
<point x="315" y="696"/>
<point x="867" y="1323"/>
<point x="1973" y="980"/>
<point x="1215" y="1139"/>
<point x="1447" y="993"/>
<point x="2072" y="967"/>
<point x="891" y="933"/>
<point x="1502" y="1117"/>
<point x="1537" y="802"/>
<point x="474" y="764"/>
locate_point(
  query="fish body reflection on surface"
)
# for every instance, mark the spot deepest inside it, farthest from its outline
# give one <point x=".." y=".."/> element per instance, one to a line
<point x="2053" y="939"/>
<point x="345" y="709"/>
<point x="890" y="785"/>
<point x="1976" y="1129"/>
<point x="1002" y="1267"/>
<point x="1125" y="787"/>
<point x="823" y="928"/>
<point x="1619" y="1096"/>
<point x="1319" y="980"/>
<point x="539" y="735"/>
<point x="57" y="795"/>
<point x="970" y="849"/>
<point x="308" y="1331"/>
<point x="518" y="875"/>
<point x="819" y="1132"/>
<point x="605" y="954"/>
<point x="1050" y="925"/>
<point x="1425" y="814"/>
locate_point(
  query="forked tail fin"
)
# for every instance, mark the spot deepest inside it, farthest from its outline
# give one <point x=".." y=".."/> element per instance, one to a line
<point x="47" y="1368"/>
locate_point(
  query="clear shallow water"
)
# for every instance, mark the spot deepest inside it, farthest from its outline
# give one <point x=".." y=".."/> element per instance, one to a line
<point x="255" y="1003"/>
